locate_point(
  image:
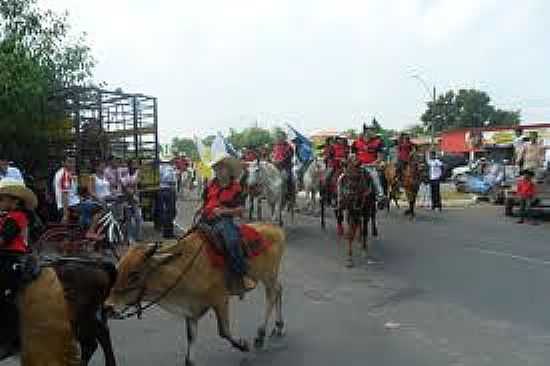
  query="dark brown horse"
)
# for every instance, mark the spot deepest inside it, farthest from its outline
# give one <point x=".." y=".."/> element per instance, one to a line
<point x="413" y="176"/>
<point x="356" y="201"/>
<point x="391" y="184"/>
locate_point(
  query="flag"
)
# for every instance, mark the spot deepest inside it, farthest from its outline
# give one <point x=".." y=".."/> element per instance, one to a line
<point x="203" y="165"/>
<point x="229" y="146"/>
<point x="304" y="146"/>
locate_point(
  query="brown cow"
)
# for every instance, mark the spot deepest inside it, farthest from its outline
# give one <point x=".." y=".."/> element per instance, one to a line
<point x="180" y="278"/>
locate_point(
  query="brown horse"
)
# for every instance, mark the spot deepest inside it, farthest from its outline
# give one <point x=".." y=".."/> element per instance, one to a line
<point x="392" y="184"/>
<point x="413" y="176"/>
<point x="84" y="286"/>
<point x="47" y="337"/>
<point x="357" y="200"/>
<point x="181" y="278"/>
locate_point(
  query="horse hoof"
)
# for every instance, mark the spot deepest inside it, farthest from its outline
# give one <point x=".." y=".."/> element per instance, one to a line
<point x="243" y="346"/>
<point x="259" y="343"/>
<point x="188" y="362"/>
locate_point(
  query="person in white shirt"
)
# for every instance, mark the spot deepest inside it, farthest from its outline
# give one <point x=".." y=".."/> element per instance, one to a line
<point x="7" y="171"/>
<point x="65" y="185"/>
<point x="435" y="172"/>
<point x="99" y="186"/>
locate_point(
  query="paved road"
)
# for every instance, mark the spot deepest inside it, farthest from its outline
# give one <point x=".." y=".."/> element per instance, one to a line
<point x="467" y="287"/>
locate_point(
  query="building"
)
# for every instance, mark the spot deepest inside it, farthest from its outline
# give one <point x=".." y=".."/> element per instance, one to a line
<point x="475" y="141"/>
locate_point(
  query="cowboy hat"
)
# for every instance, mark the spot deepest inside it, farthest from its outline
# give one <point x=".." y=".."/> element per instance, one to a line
<point x="233" y="164"/>
<point x="16" y="188"/>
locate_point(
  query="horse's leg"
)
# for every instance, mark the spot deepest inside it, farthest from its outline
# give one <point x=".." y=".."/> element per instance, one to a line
<point x="272" y="293"/>
<point x="251" y="206"/>
<point x="279" y="320"/>
<point x="259" y="208"/>
<point x="192" y="327"/>
<point x="365" y="229"/>
<point x="104" y="339"/>
<point x="224" y="330"/>
<point x="372" y="215"/>
<point x="339" y="213"/>
<point x="353" y="231"/>
<point x="322" y="202"/>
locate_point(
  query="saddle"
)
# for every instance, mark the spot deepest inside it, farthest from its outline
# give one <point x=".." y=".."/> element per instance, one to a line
<point x="252" y="242"/>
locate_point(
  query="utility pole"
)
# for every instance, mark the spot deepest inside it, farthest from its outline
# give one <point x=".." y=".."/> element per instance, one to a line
<point x="433" y="120"/>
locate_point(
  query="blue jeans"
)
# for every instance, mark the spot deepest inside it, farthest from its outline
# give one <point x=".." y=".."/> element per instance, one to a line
<point x="226" y="227"/>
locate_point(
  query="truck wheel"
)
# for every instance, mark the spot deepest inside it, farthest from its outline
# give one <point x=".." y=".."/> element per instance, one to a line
<point x="509" y="207"/>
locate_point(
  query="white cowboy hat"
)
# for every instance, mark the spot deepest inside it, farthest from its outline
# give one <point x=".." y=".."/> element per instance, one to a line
<point x="234" y="165"/>
<point x="16" y="188"/>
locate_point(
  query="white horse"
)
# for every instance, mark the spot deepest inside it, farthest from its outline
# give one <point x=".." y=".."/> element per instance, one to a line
<point x="312" y="181"/>
<point x="264" y="180"/>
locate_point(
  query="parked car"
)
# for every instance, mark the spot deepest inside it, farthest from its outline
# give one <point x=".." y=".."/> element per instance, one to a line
<point x="450" y="162"/>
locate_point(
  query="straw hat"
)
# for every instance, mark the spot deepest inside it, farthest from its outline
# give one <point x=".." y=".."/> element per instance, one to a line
<point x="16" y="188"/>
<point x="233" y="164"/>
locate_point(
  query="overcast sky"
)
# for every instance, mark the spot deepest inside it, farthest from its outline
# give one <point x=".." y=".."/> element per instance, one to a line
<point x="317" y="64"/>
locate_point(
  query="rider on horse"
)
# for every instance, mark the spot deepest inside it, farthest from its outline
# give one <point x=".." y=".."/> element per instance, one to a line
<point x="282" y="156"/>
<point x="337" y="154"/>
<point x="369" y="148"/>
<point x="16" y="203"/>
<point x="222" y="202"/>
<point x="405" y="150"/>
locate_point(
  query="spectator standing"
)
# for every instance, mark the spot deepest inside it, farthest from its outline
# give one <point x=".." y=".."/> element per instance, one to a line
<point x="436" y="171"/>
<point x="533" y="155"/>
<point x="133" y="209"/>
<point x="166" y="207"/>
<point x="111" y="174"/>
<point x="65" y="185"/>
<point x="526" y="191"/>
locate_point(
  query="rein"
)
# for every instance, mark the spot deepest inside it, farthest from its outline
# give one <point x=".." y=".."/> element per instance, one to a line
<point x="139" y="308"/>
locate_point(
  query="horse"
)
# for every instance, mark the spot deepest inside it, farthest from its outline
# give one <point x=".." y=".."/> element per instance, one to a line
<point x="413" y="175"/>
<point x="328" y="189"/>
<point x="59" y="309"/>
<point x="312" y="181"/>
<point x="392" y="184"/>
<point x="181" y="278"/>
<point x="357" y="200"/>
<point x="264" y="180"/>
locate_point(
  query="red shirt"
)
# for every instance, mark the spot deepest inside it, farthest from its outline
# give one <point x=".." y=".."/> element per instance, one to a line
<point x="281" y="152"/>
<point x="218" y="196"/>
<point x="526" y="189"/>
<point x="367" y="151"/>
<point x="181" y="164"/>
<point x="250" y="156"/>
<point x="19" y="243"/>
<point x="404" y="150"/>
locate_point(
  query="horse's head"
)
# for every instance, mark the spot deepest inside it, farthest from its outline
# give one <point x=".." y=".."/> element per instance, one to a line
<point x="134" y="270"/>
<point x="254" y="172"/>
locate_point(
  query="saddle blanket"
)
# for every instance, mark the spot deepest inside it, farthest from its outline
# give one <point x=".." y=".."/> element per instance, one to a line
<point x="251" y="240"/>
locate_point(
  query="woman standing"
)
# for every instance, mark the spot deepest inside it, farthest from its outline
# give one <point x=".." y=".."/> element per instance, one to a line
<point x="132" y="209"/>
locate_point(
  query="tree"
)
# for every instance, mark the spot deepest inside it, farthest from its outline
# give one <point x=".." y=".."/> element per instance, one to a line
<point x="37" y="57"/>
<point x="415" y="130"/>
<point x="466" y="109"/>
<point x="252" y="137"/>
<point x="185" y="145"/>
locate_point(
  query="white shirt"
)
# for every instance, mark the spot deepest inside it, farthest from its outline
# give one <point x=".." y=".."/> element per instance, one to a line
<point x="436" y="168"/>
<point x="69" y="185"/>
<point x="12" y="173"/>
<point x="102" y="188"/>
<point x="167" y="176"/>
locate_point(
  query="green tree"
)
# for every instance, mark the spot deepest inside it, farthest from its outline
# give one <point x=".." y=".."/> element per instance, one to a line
<point x="465" y="109"/>
<point x="208" y="140"/>
<point x="415" y="130"/>
<point x="252" y="137"/>
<point x="185" y="145"/>
<point x="38" y="56"/>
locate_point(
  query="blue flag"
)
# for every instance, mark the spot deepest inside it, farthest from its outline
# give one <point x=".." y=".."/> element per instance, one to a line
<point x="229" y="146"/>
<point x="304" y="147"/>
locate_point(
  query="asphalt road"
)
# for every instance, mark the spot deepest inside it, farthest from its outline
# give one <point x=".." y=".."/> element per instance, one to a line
<point x="462" y="287"/>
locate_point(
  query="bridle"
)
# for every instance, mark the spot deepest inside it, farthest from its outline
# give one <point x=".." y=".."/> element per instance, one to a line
<point x="137" y="304"/>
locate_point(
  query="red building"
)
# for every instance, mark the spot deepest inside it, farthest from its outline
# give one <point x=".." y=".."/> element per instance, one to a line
<point x="472" y="140"/>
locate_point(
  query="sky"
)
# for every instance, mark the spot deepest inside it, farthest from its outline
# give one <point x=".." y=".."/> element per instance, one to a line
<point x="315" y="63"/>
